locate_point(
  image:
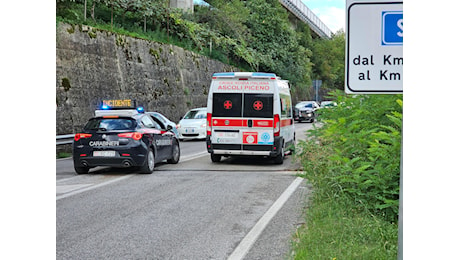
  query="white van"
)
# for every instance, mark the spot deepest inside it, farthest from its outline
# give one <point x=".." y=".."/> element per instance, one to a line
<point x="249" y="113"/>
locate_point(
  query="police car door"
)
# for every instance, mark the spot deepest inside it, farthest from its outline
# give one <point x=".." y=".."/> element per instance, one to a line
<point x="167" y="137"/>
<point x="161" y="141"/>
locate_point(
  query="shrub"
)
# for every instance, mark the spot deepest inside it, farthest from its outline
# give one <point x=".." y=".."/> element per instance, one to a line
<point x="357" y="151"/>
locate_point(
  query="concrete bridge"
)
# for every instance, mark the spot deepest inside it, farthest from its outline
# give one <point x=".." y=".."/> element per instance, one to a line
<point x="296" y="7"/>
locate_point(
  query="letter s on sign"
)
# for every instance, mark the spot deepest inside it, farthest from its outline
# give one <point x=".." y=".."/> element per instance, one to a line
<point x="400" y="25"/>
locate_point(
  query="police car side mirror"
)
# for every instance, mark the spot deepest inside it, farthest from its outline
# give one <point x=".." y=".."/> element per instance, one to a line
<point x="169" y="127"/>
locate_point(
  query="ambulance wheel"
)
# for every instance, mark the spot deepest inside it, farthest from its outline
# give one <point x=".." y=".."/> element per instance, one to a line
<point x="279" y="159"/>
<point x="215" y="157"/>
<point x="149" y="163"/>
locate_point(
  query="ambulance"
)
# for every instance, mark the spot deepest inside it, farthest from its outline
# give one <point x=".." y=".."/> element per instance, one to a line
<point x="249" y="114"/>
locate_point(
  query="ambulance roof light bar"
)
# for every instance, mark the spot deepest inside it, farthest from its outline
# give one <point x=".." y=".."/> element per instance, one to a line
<point x="245" y="75"/>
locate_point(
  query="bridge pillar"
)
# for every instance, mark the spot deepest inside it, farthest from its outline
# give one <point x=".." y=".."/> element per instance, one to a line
<point x="186" y="5"/>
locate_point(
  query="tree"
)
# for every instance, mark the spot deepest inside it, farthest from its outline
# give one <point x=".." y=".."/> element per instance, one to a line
<point x="277" y="43"/>
<point x="329" y="60"/>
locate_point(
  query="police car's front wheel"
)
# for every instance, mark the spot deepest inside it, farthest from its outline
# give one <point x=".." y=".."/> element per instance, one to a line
<point x="149" y="164"/>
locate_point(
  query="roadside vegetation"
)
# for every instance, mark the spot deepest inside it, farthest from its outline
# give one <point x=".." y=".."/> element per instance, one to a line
<point x="353" y="163"/>
<point x="252" y="35"/>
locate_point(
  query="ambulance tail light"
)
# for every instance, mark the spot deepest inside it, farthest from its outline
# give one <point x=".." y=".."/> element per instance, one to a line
<point x="208" y="124"/>
<point x="134" y="135"/>
<point x="276" y="125"/>
<point x="80" y="136"/>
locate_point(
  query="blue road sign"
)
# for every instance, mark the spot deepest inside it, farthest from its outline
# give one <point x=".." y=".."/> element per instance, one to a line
<point x="392" y="28"/>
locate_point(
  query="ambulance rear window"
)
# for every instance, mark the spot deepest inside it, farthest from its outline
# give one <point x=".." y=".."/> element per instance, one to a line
<point x="227" y="105"/>
<point x="258" y="105"/>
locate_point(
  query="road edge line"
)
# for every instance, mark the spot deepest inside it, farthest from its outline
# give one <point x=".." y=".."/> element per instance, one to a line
<point x="248" y="241"/>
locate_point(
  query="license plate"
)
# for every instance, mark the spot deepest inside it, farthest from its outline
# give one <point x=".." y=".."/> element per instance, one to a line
<point x="104" y="153"/>
<point x="227" y="134"/>
<point x="190" y="130"/>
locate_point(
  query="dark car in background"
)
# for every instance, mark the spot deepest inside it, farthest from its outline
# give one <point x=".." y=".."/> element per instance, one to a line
<point x="305" y="111"/>
<point x="124" y="138"/>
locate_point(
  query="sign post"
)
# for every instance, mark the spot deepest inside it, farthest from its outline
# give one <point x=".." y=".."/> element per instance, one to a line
<point x="316" y="85"/>
<point x="374" y="47"/>
<point x="374" y="59"/>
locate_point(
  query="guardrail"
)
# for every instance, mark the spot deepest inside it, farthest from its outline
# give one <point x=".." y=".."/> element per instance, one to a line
<point x="64" y="139"/>
<point x="299" y="9"/>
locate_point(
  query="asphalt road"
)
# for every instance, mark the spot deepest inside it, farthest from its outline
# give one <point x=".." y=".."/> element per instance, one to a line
<point x="243" y="208"/>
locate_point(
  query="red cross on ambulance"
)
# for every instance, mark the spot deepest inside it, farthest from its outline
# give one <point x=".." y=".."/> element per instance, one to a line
<point x="228" y="104"/>
<point x="258" y="105"/>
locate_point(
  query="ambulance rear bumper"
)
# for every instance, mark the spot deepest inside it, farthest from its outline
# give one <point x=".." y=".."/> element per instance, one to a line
<point x="244" y="149"/>
<point x="240" y="152"/>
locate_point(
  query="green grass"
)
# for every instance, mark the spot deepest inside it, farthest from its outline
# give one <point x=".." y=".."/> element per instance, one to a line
<point x="63" y="155"/>
<point x="335" y="229"/>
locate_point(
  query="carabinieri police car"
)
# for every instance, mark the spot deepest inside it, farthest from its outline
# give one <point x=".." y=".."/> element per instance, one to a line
<point x="121" y="137"/>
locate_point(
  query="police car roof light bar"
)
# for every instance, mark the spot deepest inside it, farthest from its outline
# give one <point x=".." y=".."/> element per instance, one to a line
<point x="116" y="112"/>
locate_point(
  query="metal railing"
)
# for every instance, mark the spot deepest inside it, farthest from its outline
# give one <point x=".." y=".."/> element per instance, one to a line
<point x="64" y="139"/>
<point x="300" y="10"/>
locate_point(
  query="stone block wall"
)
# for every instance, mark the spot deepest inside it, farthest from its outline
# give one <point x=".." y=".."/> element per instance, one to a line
<point x="92" y="65"/>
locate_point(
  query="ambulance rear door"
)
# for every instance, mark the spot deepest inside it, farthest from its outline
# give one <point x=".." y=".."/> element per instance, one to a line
<point x="242" y="113"/>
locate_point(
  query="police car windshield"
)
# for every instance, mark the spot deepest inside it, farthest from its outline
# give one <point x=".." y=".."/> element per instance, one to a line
<point x="108" y="124"/>
<point x="195" y="114"/>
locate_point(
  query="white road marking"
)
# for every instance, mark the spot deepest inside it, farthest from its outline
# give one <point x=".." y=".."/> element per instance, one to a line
<point x="93" y="186"/>
<point x="193" y="156"/>
<point x="67" y="179"/>
<point x="248" y="241"/>
<point x="73" y="189"/>
<point x="70" y="187"/>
